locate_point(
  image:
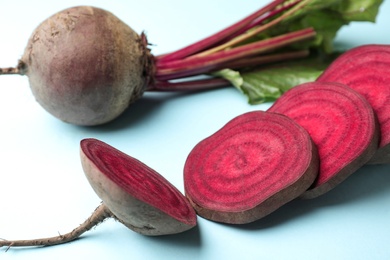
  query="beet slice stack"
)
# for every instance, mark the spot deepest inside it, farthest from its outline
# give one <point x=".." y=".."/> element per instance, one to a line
<point x="250" y="167"/>
<point x="341" y="123"/>
<point x="366" y="70"/>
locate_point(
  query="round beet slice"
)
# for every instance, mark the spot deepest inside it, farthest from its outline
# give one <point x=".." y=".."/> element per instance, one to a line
<point x="341" y="123"/>
<point x="366" y="70"/>
<point x="253" y="165"/>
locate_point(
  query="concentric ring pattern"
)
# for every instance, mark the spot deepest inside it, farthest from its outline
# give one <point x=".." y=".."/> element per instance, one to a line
<point x="250" y="159"/>
<point x="341" y="123"/>
<point x="366" y="70"/>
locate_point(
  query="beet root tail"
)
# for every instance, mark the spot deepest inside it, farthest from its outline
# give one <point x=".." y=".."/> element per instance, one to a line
<point x="98" y="216"/>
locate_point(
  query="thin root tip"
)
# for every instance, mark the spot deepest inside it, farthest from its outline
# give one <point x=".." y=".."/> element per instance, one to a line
<point x="5" y="243"/>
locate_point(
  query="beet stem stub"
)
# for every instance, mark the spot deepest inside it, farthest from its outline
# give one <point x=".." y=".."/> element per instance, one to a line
<point x="138" y="196"/>
<point x="341" y="123"/>
<point x="250" y="167"/>
<point x="9" y="71"/>
<point x="20" y="69"/>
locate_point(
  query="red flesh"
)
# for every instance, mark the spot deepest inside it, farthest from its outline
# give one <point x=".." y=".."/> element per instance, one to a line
<point x="253" y="165"/>
<point x="139" y="180"/>
<point x="366" y="70"/>
<point x="341" y="123"/>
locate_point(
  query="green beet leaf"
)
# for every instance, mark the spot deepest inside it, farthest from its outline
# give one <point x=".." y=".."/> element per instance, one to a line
<point x="270" y="82"/>
<point x="326" y="17"/>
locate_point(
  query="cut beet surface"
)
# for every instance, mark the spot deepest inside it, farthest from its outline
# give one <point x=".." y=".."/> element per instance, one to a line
<point x="253" y="165"/>
<point x="341" y="123"/>
<point x="138" y="196"/>
<point x="366" y="70"/>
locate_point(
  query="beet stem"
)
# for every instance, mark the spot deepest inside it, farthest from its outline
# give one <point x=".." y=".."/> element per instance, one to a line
<point x="189" y="85"/>
<point x="217" y="37"/>
<point x="242" y="51"/>
<point x="199" y="65"/>
<point x="98" y="216"/>
<point x="225" y="49"/>
<point x="212" y="83"/>
<point x="266" y="59"/>
<point x="261" y="28"/>
<point x="262" y="19"/>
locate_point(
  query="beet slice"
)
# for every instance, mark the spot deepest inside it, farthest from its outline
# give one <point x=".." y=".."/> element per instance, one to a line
<point x="253" y="165"/>
<point x="138" y="196"/>
<point x="366" y="70"/>
<point x="341" y="123"/>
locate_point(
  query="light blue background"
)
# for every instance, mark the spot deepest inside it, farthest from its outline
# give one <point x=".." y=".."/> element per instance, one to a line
<point x="43" y="191"/>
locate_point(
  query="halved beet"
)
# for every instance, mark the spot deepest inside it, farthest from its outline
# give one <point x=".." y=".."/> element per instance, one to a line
<point x="366" y="70"/>
<point x="253" y="165"/>
<point x="138" y="196"/>
<point x="341" y="123"/>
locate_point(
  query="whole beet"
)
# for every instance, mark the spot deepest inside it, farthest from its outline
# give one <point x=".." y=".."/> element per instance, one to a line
<point x="85" y="66"/>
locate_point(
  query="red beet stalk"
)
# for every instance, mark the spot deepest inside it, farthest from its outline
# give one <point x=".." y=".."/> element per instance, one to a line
<point x="341" y="123"/>
<point x="216" y="61"/>
<point x="218" y="51"/>
<point x="219" y="36"/>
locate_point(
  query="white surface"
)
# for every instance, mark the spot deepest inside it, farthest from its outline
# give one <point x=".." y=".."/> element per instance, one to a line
<point x="43" y="190"/>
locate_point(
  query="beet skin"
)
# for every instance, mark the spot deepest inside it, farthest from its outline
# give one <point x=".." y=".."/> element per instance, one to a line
<point x="85" y="66"/>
